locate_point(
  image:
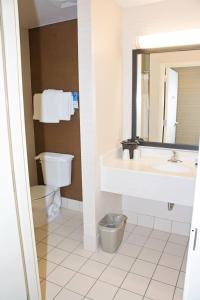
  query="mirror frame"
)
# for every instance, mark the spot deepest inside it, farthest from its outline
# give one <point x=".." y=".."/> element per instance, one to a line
<point x="135" y="54"/>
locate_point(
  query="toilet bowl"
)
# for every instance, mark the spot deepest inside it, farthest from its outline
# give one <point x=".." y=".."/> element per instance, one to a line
<point x="46" y="199"/>
<point x="46" y="203"/>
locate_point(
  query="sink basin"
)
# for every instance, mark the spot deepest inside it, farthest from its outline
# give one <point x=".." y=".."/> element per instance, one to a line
<point x="171" y="167"/>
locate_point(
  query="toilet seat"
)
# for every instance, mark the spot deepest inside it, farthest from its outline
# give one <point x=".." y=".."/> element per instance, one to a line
<point x="41" y="191"/>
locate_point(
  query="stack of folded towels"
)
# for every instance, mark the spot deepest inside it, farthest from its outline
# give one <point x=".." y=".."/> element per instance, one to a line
<point x="53" y="106"/>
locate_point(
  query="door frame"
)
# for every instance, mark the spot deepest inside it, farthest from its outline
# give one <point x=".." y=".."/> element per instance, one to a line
<point x="16" y="133"/>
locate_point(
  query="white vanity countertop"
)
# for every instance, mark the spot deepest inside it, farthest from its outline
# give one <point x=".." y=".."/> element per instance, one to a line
<point x="152" y="176"/>
<point x="146" y="165"/>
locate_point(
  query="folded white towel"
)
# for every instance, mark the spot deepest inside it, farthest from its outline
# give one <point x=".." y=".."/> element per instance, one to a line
<point x="50" y="107"/>
<point x="36" y="106"/>
<point x="66" y="106"/>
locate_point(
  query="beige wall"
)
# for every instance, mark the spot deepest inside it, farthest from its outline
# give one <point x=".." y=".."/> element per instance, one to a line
<point x="26" y="76"/>
<point x="100" y="76"/>
<point x="188" y="109"/>
<point x="166" y="16"/>
<point x="108" y="88"/>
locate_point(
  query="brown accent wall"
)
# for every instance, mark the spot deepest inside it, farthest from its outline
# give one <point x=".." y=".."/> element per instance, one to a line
<point x="54" y="65"/>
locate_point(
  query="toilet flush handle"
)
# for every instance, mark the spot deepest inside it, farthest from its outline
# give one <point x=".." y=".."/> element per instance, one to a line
<point x="37" y="158"/>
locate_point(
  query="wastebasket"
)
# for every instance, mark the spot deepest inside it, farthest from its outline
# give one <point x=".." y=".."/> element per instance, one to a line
<point x="111" y="229"/>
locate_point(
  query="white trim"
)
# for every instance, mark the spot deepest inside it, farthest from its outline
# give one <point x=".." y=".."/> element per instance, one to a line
<point x="11" y="252"/>
<point x="72" y="204"/>
<point x="10" y="22"/>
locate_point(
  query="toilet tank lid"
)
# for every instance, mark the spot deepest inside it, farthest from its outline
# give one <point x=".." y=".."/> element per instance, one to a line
<point x="41" y="191"/>
<point x="50" y="156"/>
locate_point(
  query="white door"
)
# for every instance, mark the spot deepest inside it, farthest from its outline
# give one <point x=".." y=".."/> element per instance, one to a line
<point x="171" y="94"/>
<point x="18" y="259"/>
<point x="192" y="280"/>
<point x="12" y="272"/>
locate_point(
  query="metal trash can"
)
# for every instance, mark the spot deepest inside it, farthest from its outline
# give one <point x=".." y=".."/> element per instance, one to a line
<point x="111" y="229"/>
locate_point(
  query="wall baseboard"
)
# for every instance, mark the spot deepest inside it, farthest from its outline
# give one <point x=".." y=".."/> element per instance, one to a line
<point x="72" y="204"/>
<point x="158" y="223"/>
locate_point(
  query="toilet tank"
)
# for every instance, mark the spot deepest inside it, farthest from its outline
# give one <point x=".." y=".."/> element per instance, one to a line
<point x="56" y="168"/>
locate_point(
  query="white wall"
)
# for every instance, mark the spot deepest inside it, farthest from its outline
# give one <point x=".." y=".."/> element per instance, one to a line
<point x="100" y="76"/>
<point x="171" y="15"/>
<point x="28" y="111"/>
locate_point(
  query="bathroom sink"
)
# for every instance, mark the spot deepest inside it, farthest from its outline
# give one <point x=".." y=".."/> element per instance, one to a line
<point x="171" y="167"/>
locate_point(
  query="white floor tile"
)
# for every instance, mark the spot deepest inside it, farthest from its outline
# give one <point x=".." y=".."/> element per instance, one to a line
<point x="77" y="235"/>
<point x="45" y="267"/>
<point x="122" y="262"/>
<point x="50" y="227"/>
<point x="68" y="245"/>
<point x="82" y="252"/>
<point x="159" y="291"/>
<point x="126" y="235"/>
<point x="92" y="268"/>
<point x="60" y="219"/>
<point x="175" y="249"/>
<point x="178" y="294"/>
<point x="113" y="276"/>
<point x="179" y="239"/>
<point x="136" y="284"/>
<point x="102" y="290"/>
<point x="68" y="295"/>
<point x="155" y="244"/>
<point x="181" y="280"/>
<point x="74" y="262"/>
<point x="129" y="227"/>
<point x="183" y="267"/>
<point x="40" y="234"/>
<point x="43" y="249"/>
<point x="137" y="239"/>
<point x="160" y="235"/>
<point x="53" y="239"/>
<point x="80" y="284"/>
<point x="103" y="257"/>
<point x="166" y="275"/>
<point x="145" y="231"/>
<point x="64" y="230"/>
<point x="56" y="255"/>
<point x="126" y="295"/>
<point x="49" y="290"/>
<point x="129" y="250"/>
<point x="171" y="261"/>
<point x="150" y="255"/>
<point x="143" y="268"/>
<point x="60" y="276"/>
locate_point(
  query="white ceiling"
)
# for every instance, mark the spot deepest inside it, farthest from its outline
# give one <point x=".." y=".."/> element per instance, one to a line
<point x="128" y="3"/>
<point x="35" y="13"/>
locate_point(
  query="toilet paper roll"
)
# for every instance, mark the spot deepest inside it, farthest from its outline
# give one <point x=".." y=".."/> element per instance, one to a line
<point x="126" y="155"/>
<point x="137" y="154"/>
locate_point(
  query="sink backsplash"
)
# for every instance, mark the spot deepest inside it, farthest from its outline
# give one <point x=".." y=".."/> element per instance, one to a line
<point x="165" y="153"/>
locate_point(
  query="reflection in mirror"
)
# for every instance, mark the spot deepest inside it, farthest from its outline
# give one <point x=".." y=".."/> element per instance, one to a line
<point x="168" y="97"/>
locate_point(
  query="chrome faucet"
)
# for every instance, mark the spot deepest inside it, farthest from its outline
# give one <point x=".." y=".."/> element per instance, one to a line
<point x="174" y="158"/>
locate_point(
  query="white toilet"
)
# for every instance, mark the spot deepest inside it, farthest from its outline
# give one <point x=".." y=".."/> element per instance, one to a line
<point x="46" y="199"/>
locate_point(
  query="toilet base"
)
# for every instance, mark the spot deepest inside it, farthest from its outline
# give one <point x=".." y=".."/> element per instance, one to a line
<point x="47" y="209"/>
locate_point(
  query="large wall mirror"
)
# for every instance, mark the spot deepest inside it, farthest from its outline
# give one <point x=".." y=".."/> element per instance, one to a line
<point x="166" y="97"/>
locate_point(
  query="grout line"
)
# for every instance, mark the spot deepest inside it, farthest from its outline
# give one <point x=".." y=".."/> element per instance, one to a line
<point x="109" y="264"/>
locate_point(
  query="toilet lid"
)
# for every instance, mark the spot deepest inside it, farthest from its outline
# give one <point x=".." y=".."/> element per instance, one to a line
<point x="41" y="191"/>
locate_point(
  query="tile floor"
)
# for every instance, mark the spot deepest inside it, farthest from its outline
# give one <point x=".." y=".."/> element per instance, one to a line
<point x="149" y="265"/>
